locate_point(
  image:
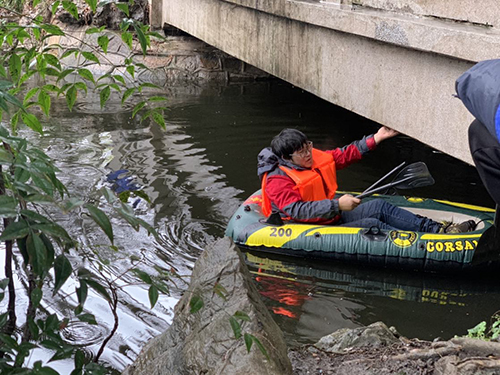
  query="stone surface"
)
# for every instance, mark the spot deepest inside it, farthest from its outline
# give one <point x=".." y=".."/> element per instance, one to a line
<point x="203" y="342"/>
<point x="173" y="61"/>
<point x="383" y="60"/>
<point x="453" y="365"/>
<point x="375" y="335"/>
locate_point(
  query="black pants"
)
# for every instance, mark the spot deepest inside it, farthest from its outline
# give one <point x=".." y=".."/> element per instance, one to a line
<point x="485" y="151"/>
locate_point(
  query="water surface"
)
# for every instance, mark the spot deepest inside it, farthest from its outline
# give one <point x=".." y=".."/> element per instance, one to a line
<point x="201" y="168"/>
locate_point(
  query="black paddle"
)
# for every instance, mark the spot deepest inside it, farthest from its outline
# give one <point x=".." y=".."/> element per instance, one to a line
<point x="412" y="176"/>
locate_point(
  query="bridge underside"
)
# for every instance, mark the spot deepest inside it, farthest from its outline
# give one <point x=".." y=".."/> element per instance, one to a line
<point x="398" y="70"/>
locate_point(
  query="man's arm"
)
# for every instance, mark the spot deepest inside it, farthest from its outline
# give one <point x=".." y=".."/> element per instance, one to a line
<point x="283" y="195"/>
<point x="353" y="152"/>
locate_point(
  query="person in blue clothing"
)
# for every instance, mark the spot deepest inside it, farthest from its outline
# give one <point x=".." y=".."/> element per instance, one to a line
<point x="479" y="90"/>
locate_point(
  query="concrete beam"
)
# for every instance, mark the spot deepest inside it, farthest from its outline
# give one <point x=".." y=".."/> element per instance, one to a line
<point x="396" y="69"/>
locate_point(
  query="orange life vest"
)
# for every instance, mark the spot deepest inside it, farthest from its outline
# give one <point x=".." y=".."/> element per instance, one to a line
<point x="317" y="183"/>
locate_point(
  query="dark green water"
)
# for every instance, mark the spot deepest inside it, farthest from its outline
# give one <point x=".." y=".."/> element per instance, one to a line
<point x="203" y="167"/>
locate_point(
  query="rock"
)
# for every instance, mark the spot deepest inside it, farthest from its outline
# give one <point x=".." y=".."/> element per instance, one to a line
<point x="204" y="342"/>
<point x="375" y="335"/>
<point x="453" y="365"/>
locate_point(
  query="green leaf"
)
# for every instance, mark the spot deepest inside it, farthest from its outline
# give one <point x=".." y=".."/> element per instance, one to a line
<point x="158" y="118"/>
<point x="36" y="297"/>
<point x="260" y="346"/>
<point x="52" y="60"/>
<point x="92" y="4"/>
<point x="241" y="316"/>
<point x="71" y="97"/>
<point x="195" y="304"/>
<point x="90" y="56"/>
<point x="30" y="94"/>
<point x="143" y="40"/>
<point x="15" y="67"/>
<point x="64" y="353"/>
<point x="137" y="108"/>
<point x="93" y="30"/>
<point x="35" y="332"/>
<point x="35" y="216"/>
<point x="9" y="341"/>
<point x="8" y="206"/>
<point x="99" y="289"/>
<point x="153" y="295"/>
<point x="55" y="6"/>
<point x="248" y="341"/>
<point x="150" y="85"/>
<point x="44" y="102"/>
<point x="70" y="52"/>
<point x="101" y="219"/>
<point x="37" y="254"/>
<point x="70" y="7"/>
<point x="123" y="7"/>
<point x="119" y="79"/>
<point x="131" y="70"/>
<point x="115" y="87"/>
<point x="236" y="327"/>
<point x="15" y="230"/>
<point x="108" y="194"/>
<point x="53" y="230"/>
<point x="103" y="42"/>
<point x="82" y="292"/>
<point x="156" y="35"/>
<point x="87" y="74"/>
<point x="61" y="76"/>
<point x="127" y="94"/>
<point x="220" y="291"/>
<point x="127" y="39"/>
<point x="87" y="318"/>
<point x="3" y="319"/>
<point x="72" y="203"/>
<point x="52" y="29"/>
<point x="143" y="275"/>
<point x="49" y="370"/>
<point x="32" y="122"/>
<point x="104" y="96"/>
<point x="81" y="86"/>
<point x="79" y="359"/>
<point x="63" y="269"/>
<point x="50" y="250"/>
<point x="36" y="2"/>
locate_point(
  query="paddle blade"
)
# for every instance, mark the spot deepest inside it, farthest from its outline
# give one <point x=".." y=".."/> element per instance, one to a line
<point x="413" y="176"/>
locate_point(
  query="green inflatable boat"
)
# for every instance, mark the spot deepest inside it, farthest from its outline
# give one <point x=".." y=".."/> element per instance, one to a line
<point x="400" y="249"/>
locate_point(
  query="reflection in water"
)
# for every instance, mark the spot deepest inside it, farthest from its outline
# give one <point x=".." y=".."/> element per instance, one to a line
<point x="312" y="299"/>
<point x="197" y="172"/>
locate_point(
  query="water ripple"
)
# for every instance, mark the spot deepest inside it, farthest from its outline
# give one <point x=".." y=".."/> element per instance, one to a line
<point x="84" y="334"/>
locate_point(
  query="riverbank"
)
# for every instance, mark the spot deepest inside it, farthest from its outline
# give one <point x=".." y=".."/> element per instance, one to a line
<point x="221" y="326"/>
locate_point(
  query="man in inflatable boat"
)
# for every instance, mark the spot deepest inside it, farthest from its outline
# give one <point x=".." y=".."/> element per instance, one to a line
<point x="299" y="183"/>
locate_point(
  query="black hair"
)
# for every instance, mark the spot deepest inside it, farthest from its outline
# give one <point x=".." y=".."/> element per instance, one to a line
<point x="287" y="142"/>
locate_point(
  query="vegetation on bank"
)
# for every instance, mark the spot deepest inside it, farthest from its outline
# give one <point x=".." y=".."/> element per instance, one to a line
<point x="31" y="193"/>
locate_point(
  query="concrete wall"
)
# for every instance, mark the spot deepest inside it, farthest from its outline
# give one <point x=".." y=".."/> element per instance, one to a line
<point x="385" y="62"/>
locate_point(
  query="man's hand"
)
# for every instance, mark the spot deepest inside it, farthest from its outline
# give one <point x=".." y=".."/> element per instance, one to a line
<point x="384" y="133"/>
<point x="348" y="202"/>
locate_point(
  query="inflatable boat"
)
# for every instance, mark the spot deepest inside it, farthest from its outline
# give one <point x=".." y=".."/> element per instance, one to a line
<point x="387" y="248"/>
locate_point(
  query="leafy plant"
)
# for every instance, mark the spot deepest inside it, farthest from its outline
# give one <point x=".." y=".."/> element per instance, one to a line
<point x="30" y="191"/>
<point x="483" y="332"/>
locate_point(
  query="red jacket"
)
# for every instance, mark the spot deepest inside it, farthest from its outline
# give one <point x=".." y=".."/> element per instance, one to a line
<point x="286" y="199"/>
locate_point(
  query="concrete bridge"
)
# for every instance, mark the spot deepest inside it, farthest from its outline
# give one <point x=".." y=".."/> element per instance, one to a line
<point x="392" y="61"/>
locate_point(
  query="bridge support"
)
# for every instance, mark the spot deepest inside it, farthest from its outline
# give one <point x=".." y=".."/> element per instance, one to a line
<point x="395" y="68"/>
